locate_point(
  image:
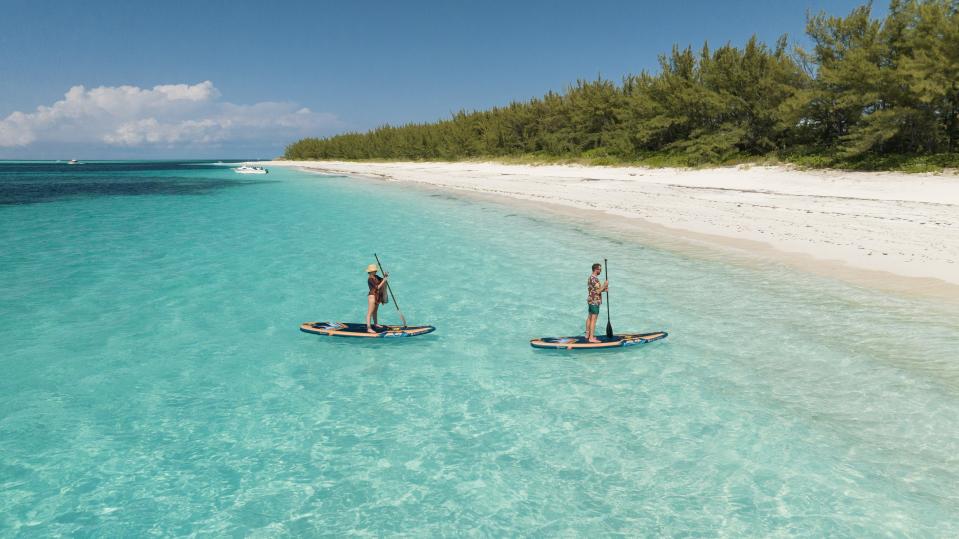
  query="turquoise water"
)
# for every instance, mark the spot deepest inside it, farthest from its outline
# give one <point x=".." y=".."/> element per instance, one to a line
<point x="155" y="382"/>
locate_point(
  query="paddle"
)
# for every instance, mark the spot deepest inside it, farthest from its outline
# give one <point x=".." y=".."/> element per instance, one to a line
<point x="609" y="323"/>
<point x="390" y="290"/>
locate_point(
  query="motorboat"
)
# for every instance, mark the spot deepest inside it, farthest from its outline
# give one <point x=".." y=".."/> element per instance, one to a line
<point x="246" y="169"/>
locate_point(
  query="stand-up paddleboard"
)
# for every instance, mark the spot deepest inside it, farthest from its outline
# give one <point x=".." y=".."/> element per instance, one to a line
<point x="352" y="329"/>
<point x="617" y="341"/>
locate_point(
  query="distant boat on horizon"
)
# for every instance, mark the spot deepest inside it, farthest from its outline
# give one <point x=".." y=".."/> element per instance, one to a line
<point x="250" y="170"/>
<point x="73" y="162"/>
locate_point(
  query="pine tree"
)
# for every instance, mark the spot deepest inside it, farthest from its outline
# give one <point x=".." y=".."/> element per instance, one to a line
<point x="867" y="87"/>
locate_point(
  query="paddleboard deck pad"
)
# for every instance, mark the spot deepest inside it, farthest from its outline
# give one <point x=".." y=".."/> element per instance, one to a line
<point x="617" y="341"/>
<point x="352" y="329"/>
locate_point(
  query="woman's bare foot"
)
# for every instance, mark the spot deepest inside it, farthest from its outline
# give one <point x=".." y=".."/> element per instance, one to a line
<point x="593" y="339"/>
<point x="370" y="330"/>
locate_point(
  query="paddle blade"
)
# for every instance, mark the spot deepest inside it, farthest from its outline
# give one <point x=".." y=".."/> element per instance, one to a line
<point x="609" y="330"/>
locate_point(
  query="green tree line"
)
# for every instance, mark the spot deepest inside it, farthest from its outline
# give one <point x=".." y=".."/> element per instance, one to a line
<point x="867" y="89"/>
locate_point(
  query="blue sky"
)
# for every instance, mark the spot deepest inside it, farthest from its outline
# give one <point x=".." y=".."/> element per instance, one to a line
<point x="279" y="70"/>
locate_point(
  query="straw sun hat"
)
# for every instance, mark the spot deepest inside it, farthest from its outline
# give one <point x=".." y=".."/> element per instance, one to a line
<point x="371" y="267"/>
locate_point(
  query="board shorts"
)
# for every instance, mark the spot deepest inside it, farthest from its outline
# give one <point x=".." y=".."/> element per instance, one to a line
<point x="593" y="309"/>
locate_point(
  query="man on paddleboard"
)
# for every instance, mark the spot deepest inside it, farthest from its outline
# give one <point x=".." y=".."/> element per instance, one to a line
<point x="376" y="295"/>
<point x="594" y="300"/>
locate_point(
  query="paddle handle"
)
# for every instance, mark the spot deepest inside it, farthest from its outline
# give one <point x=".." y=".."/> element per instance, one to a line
<point x="609" y="322"/>
<point x="390" y="290"/>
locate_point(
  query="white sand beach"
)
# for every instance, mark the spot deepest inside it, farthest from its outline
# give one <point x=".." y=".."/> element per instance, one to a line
<point x="895" y="230"/>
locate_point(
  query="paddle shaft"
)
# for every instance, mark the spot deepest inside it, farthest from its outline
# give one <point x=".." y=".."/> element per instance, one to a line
<point x="390" y="290"/>
<point x="609" y="322"/>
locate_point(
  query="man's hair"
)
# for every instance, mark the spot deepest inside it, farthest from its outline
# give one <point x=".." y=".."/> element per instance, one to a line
<point x="596" y="266"/>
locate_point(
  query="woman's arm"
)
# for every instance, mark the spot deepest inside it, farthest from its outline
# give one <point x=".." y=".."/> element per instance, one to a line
<point x="383" y="281"/>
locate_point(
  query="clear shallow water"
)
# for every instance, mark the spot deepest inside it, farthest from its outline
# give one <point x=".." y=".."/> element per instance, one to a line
<point x="154" y="380"/>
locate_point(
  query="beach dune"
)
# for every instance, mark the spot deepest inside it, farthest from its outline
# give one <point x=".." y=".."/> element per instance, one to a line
<point x="896" y="230"/>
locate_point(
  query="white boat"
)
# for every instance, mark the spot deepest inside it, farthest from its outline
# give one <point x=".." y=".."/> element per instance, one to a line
<point x="250" y="170"/>
<point x="73" y="162"/>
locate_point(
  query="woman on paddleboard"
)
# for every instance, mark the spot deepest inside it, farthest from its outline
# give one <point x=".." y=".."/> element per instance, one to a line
<point x="594" y="300"/>
<point x="376" y="295"/>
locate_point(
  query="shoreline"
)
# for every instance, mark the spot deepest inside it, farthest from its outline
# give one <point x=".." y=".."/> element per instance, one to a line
<point x="888" y="231"/>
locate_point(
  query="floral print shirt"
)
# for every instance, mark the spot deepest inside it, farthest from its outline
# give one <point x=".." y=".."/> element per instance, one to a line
<point x="594" y="287"/>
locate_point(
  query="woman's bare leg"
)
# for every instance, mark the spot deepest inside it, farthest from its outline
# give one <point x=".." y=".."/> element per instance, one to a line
<point x="370" y="312"/>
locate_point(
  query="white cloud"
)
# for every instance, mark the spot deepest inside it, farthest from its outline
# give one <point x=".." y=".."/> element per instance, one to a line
<point x="169" y="115"/>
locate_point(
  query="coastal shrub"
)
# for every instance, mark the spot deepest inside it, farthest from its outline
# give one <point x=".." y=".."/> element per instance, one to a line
<point x="867" y="91"/>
